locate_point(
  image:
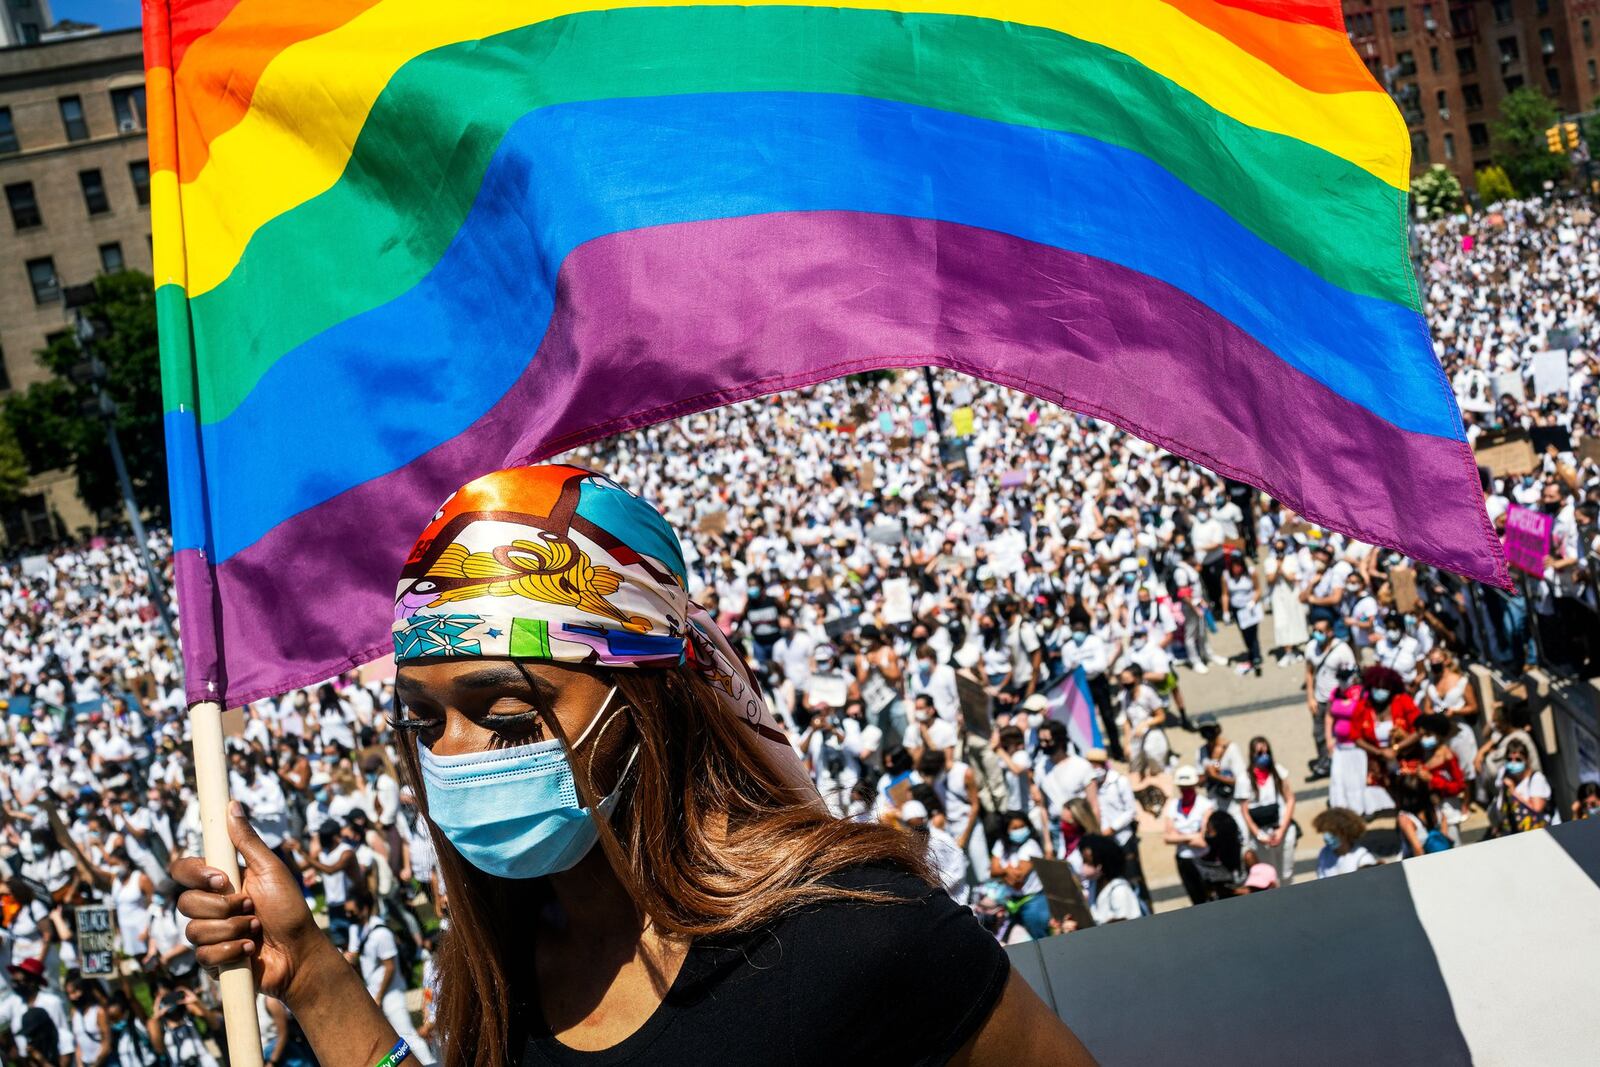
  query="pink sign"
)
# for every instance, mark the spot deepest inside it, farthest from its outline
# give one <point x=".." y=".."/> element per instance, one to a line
<point x="1528" y="538"/>
<point x="1467" y="242"/>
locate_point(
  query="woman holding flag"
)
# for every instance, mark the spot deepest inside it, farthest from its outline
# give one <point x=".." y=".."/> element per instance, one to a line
<point x="637" y="868"/>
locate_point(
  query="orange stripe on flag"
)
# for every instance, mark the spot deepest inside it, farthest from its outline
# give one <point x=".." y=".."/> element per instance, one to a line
<point x="1314" y="56"/>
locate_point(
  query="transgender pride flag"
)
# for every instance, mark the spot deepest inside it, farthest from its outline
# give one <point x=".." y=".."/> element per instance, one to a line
<point x="401" y="243"/>
<point x="1071" y="703"/>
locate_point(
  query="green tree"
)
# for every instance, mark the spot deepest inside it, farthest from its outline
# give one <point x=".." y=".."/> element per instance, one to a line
<point x="1436" y="192"/>
<point x="1493" y="185"/>
<point x="1591" y="128"/>
<point x="1519" y="141"/>
<point x="55" y="422"/>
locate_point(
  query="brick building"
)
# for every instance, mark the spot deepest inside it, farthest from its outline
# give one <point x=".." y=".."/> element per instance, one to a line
<point x="76" y="180"/>
<point x="1449" y="63"/>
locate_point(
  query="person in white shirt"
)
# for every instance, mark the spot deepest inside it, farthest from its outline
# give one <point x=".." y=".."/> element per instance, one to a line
<point x="28" y="991"/>
<point x="1118" y="811"/>
<point x="937" y="680"/>
<point x="1184" y="825"/>
<point x="1398" y="650"/>
<point x="948" y="861"/>
<point x="1086" y="649"/>
<point x="1112" y="898"/>
<point x="1341" y="853"/>
<point x="1329" y="661"/>
<point x="374" y="951"/>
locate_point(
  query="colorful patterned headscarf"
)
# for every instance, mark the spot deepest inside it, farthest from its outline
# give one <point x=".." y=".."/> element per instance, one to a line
<point x="558" y="563"/>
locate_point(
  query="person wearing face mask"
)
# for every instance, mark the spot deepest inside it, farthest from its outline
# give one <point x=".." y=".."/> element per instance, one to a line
<point x="637" y="863"/>
<point x="1119" y="817"/>
<point x="1385" y="723"/>
<point x="1432" y="757"/>
<point x="1284" y="575"/>
<point x="1266" y="812"/>
<point x="1523" y="802"/>
<point x="1085" y="649"/>
<point x="938" y="681"/>
<point x="1448" y="691"/>
<point x="944" y="854"/>
<point x="1145" y="651"/>
<point x="131" y="892"/>
<point x="1587" y="804"/>
<point x="1396" y="649"/>
<point x="1011" y="862"/>
<point x="1183" y="824"/>
<point x="1329" y="660"/>
<point x="1241" y="601"/>
<point x="1341" y="831"/>
<point x="1142" y="717"/>
<point x="1359" y="611"/>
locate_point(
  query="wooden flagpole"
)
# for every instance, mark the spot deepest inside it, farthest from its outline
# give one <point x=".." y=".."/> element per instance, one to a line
<point x="211" y="788"/>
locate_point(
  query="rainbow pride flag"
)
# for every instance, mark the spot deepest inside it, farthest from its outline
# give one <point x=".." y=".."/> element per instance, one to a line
<point x="399" y="244"/>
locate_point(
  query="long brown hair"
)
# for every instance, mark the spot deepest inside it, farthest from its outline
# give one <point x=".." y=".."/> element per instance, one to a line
<point x="706" y="838"/>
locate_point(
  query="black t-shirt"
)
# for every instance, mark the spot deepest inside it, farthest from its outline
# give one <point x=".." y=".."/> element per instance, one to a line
<point x="903" y="983"/>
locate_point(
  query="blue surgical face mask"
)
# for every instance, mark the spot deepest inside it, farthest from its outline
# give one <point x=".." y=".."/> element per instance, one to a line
<point x="1331" y="839"/>
<point x="1515" y="767"/>
<point x="1263" y="761"/>
<point x="1019" y="835"/>
<point x="1429" y="743"/>
<point x="515" y="813"/>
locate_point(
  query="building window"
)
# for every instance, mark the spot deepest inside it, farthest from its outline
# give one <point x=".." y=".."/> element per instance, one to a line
<point x="1466" y="60"/>
<point x="1428" y="22"/>
<point x="128" y="106"/>
<point x="1552" y="77"/>
<point x="1592" y="75"/>
<point x="111" y="257"/>
<point x="94" y="191"/>
<point x="1397" y="20"/>
<point x="1359" y="24"/>
<point x="1542" y="8"/>
<point x="1547" y="41"/>
<point x="1588" y="32"/>
<point x="1450" y="146"/>
<point x="1513" y="83"/>
<point x="8" y="133"/>
<point x="1478" y="134"/>
<point x="5" y="375"/>
<point x="1407" y="64"/>
<point x="1471" y="98"/>
<point x="1433" y="58"/>
<point x="1502" y="11"/>
<point x="1510" y="50"/>
<point x="140" y="173"/>
<point x="42" y="276"/>
<point x="24" y="206"/>
<point x="1419" y="146"/>
<point x="72" y="119"/>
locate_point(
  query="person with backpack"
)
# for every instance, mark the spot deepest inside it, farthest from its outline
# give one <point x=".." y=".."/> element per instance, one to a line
<point x="375" y="951"/>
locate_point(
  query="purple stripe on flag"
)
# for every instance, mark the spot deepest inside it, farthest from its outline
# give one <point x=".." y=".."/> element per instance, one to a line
<point x="656" y="323"/>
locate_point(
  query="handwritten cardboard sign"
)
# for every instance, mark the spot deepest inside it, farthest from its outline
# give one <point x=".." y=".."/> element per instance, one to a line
<point x="1528" y="538"/>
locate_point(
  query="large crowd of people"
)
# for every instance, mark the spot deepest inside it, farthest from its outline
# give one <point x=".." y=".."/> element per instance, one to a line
<point x="975" y="613"/>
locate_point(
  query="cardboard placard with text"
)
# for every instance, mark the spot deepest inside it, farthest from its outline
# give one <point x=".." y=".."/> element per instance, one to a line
<point x="1513" y="456"/>
<point x="1403" y="584"/>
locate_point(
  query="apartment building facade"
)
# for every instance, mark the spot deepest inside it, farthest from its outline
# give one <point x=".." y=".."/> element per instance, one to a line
<point x="1450" y="63"/>
<point x="75" y="176"/>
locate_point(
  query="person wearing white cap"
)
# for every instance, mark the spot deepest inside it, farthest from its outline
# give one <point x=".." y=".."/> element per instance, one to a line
<point x="1183" y="824"/>
<point x="946" y="856"/>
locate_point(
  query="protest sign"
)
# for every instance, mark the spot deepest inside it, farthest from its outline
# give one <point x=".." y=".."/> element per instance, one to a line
<point x="919" y="427"/>
<point x="32" y="565"/>
<point x="961" y="421"/>
<point x="1509" y="383"/>
<point x="1528" y="538"/>
<point x="1403" y="584"/>
<point x="897" y="600"/>
<point x="1550" y="372"/>
<point x="713" y="523"/>
<point x="829" y="690"/>
<point x="1508" y="454"/>
<point x="97" y="941"/>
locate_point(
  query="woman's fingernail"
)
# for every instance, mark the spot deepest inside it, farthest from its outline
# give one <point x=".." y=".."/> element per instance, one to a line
<point x="217" y="882"/>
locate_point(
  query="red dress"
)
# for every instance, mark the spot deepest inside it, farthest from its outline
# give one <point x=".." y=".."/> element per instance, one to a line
<point x="1403" y="712"/>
